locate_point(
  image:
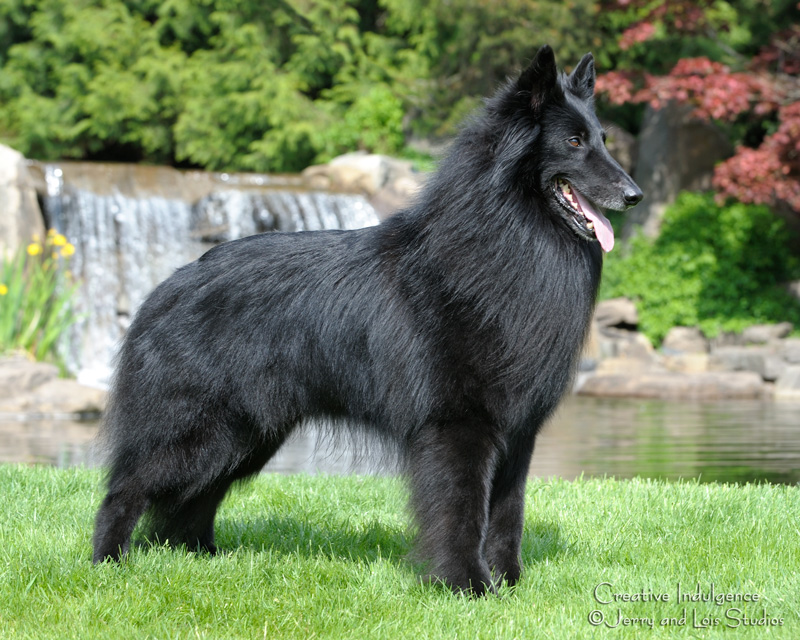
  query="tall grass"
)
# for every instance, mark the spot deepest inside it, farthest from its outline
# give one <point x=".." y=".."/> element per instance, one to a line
<point x="36" y="289"/>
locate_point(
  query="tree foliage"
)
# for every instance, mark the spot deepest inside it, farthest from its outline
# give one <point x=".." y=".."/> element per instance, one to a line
<point x="273" y="85"/>
<point x="258" y="85"/>
<point x="738" y="64"/>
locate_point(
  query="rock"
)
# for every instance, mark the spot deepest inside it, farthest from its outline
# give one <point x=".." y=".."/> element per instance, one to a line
<point x="591" y="349"/>
<point x="684" y="340"/>
<point x="624" y="366"/>
<point x="396" y="195"/>
<point x="367" y="172"/>
<point x="764" y="333"/>
<point x="622" y="146"/>
<point x="616" y="312"/>
<point x="57" y="396"/>
<point x="672" y="386"/>
<point x="34" y="387"/>
<point x="360" y="171"/>
<point x="794" y="289"/>
<point x="761" y="360"/>
<point x="789" y="350"/>
<point x="621" y="352"/>
<point x="787" y="386"/>
<point x="21" y="218"/>
<point x="638" y="346"/>
<point x="676" y="152"/>
<point x="390" y="183"/>
<point x="687" y="362"/>
<point x="726" y="339"/>
<point x="621" y="343"/>
<point x="18" y="375"/>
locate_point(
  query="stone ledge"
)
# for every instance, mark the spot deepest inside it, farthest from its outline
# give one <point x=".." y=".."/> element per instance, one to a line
<point x="18" y="375"/>
<point x="34" y="389"/>
<point x="672" y="386"/>
<point x="788" y="385"/>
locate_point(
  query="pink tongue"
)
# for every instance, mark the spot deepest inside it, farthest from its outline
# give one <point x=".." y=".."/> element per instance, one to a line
<point x="602" y="227"/>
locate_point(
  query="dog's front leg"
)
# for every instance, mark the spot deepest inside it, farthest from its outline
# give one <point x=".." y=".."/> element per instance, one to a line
<point x="451" y="467"/>
<point x="506" y="510"/>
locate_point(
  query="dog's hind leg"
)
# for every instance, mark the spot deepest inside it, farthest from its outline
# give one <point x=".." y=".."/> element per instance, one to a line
<point x="115" y="521"/>
<point x="451" y="467"/>
<point x="189" y="520"/>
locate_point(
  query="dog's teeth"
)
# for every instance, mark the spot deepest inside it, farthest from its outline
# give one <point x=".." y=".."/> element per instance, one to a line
<point x="590" y="225"/>
<point x="568" y="193"/>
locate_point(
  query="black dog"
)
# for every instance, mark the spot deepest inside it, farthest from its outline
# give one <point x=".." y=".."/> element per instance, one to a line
<point x="452" y="329"/>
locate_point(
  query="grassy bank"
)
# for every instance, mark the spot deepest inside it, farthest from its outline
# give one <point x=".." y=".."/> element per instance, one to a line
<point x="323" y="557"/>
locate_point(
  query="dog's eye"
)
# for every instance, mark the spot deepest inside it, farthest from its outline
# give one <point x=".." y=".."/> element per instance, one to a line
<point x="575" y="141"/>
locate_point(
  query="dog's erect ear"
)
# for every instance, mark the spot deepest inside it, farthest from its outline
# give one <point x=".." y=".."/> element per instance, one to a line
<point x="582" y="77"/>
<point x="540" y="77"/>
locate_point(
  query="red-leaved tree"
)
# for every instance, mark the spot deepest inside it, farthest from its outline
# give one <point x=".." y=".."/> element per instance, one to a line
<point x="764" y="89"/>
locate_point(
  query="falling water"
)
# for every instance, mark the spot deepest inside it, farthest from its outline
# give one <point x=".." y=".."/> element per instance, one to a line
<point x="130" y="233"/>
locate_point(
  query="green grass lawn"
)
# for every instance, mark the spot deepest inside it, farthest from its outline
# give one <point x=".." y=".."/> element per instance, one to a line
<point x="324" y="557"/>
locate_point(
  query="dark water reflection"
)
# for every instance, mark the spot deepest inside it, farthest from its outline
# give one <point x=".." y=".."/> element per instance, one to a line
<point x="727" y="442"/>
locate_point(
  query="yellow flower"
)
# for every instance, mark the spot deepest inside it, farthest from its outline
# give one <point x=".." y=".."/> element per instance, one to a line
<point x="50" y="233"/>
<point x="34" y="249"/>
<point x="67" y="250"/>
<point x="59" y="240"/>
<point x="3" y="289"/>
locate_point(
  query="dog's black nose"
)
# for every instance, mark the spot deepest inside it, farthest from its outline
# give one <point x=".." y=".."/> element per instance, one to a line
<point x="632" y="195"/>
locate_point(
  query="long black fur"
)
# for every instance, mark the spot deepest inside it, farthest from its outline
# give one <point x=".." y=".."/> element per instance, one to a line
<point x="452" y="330"/>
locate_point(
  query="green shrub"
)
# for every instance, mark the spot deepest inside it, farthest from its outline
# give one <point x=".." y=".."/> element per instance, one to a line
<point x="373" y="122"/>
<point x="252" y="85"/>
<point x="35" y="298"/>
<point x="715" y="267"/>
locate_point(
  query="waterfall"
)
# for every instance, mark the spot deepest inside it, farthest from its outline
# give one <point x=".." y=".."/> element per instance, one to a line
<point x="133" y="226"/>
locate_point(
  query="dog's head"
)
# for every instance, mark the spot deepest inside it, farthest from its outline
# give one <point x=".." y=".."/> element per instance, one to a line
<point x="574" y="170"/>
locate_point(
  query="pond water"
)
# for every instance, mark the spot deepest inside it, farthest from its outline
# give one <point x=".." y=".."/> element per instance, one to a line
<point x="734" y="441"/>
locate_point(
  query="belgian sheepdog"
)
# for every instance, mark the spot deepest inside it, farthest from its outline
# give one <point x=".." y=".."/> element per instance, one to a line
<point x="452" y="330"/>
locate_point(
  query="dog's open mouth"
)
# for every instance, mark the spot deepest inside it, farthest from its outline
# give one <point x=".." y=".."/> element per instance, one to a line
<point x="585" y="216"/>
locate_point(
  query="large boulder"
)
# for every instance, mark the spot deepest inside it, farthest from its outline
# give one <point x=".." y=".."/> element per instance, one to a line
<point x="788" y="385"/>
<point x="616" y="312"/>
<point x="684" y="340"/>
<point x="35" y="388"/>
<point x="622" y="146"/>
<point x="687" y="362"/>
<point x="20" y="217"/>
<point x="19" y="376"/>
<point x="764" y="333"/>
<point x="57" y="397"/>
<point x="789" y="350"/>
<point x="389" y="183"/>
<point x="623" y="343"/>
<point x="794" y="289"/>
<point x="677" y="152"/>
<point x="761" y="360"/>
